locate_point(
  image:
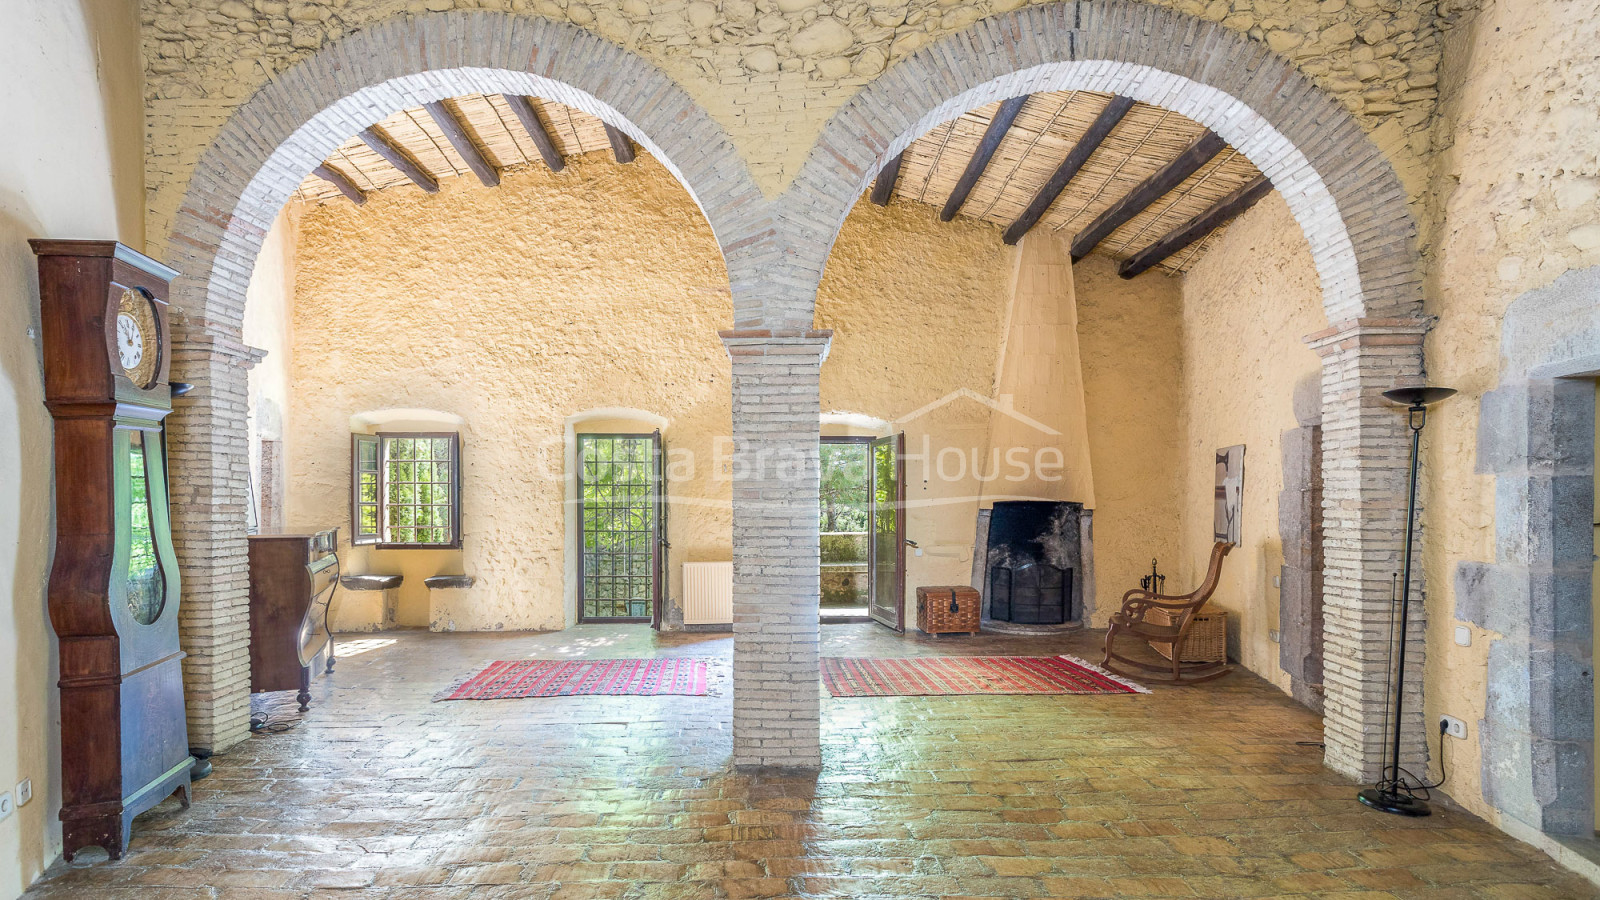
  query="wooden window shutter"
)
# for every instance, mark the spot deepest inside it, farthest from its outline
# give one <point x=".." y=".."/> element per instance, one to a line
<point x="366" y="489"/>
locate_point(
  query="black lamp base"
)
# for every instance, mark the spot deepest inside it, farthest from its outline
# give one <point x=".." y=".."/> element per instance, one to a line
<point x="1397" y="804"/>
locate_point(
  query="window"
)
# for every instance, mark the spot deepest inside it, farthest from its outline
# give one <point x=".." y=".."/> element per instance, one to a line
<point x="405" y="490"/>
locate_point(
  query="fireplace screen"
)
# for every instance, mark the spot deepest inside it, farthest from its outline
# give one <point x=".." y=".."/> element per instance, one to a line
<point x="1031" y="594"/>
<point x="1033" y="554"/>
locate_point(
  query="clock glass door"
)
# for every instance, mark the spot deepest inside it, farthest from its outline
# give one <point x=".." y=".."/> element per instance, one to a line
<point x="147" y="584"/>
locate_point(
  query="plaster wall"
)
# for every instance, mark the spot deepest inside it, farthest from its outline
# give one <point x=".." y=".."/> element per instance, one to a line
<point x="70" y="167"/>
<point x="1518" y="194"/>
<point x="268" y="309"/>
<point x="1130" y="334"/>
<point x="771" y="73"/>
<point x="512" y="308"/>
<point x="1246" y="308"/>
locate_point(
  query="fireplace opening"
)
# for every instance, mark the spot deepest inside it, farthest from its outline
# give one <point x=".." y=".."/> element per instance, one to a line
<point x="1032" y="563"/>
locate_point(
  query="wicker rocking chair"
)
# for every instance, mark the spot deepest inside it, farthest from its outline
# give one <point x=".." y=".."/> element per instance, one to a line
<point x="1170" y="625"/>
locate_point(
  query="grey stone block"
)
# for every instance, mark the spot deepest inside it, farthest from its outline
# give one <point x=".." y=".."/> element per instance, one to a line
<point x="1561" y="685"/>
<point x="1559" y="608"/>
<point x="1474" y="588"/>
<point x="1503" y="430"/>
<point x="1563" y="786"/>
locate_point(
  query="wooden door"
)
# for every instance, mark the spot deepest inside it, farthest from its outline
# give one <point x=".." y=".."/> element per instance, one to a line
<point x="887" y="604"/>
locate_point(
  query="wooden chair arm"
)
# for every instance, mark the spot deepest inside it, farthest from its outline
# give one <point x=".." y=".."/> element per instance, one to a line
<point x="1145" y="599"/>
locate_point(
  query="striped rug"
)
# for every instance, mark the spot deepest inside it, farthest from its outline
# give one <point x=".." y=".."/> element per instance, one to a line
<point x="512" y="679"/>
<point x="928" y="676"/>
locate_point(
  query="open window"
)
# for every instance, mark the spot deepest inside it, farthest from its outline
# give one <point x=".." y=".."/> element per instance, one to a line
<point x="405" y="490"/>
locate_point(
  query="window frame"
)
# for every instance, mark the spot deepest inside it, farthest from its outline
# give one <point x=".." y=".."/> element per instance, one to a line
<point x="382" y="439"/>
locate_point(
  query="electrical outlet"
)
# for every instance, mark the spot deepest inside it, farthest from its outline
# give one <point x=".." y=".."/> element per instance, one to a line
<point x="1275" y="637"/>
<point x="24" y="792"/>
<point x="7" y="806"/>
<point x="1454" y="727"/>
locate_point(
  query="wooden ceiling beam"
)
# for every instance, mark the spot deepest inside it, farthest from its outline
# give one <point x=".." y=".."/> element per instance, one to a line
<point x="1068" y="170"/>
<point x="386" y="147"/>
<point x="998" y="126"/>
<point x="1224" y="211"/>
<point x="455" y="131"/>
<point x="341" y="181"/>
<point x="883" y="187"/>
<point x="522" y="108"/>
<point x="1203" y="150"/>
<point x="621" y="147"/>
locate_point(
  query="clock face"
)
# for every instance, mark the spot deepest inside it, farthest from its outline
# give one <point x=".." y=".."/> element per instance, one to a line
<point x="138" y="338"/>
<point x="130" y="342"/>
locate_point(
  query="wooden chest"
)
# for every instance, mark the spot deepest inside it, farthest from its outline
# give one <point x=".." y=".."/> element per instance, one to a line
<point x="948" y="609"/>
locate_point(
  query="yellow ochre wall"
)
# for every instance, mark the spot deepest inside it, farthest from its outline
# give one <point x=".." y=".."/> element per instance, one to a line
<point x="70" y="167"/>
<point x="512" y="308"/>
<point x="1130" y="335"/>
<point x="1246" y="307"/>
<point x="268" y="302"/>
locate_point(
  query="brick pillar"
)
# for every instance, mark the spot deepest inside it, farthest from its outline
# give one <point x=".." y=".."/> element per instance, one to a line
<point x="210" y="486"/>
<point x="776" y="422"/>
<point x="1365" y="460"/>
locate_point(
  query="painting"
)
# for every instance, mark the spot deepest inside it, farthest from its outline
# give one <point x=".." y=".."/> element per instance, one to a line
<point x="1230" y="493"/>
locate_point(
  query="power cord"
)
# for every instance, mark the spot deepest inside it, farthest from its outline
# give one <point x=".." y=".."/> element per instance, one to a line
<point x="1419" y="787"/>
<point x="262" y="723"/>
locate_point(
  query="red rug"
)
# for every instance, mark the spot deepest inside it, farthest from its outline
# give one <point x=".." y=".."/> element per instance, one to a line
<point x="949" y="675"/>
<point x="512" y="679"/>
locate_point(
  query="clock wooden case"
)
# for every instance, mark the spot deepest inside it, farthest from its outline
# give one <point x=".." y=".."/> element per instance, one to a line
<point x="114" y="588"/>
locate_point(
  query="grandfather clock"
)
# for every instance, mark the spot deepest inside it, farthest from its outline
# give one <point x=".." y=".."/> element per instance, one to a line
<point x="113" y="592"/>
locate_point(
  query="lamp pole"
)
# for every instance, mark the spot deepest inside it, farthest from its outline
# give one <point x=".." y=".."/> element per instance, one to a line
<point x="1391" y="794"/>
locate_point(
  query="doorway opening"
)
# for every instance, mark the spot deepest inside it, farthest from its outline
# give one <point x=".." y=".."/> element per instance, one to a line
<point x="861" y="526"/>
<point x="620" y="506"/>
<point x="844" y="525"/>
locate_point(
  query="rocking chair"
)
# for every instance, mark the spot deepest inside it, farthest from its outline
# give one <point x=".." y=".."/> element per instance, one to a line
<point x="1169" y="626"/>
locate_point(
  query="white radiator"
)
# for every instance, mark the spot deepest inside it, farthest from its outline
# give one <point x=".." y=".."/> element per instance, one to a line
<point x="708" y="593"/>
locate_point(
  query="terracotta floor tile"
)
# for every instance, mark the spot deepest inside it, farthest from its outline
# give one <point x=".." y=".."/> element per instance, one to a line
<point x="1185" y="792"/>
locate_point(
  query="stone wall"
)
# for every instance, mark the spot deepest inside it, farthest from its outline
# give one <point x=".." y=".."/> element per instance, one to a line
<point x="770" y="72"/>
<point x="1518" y="202"/>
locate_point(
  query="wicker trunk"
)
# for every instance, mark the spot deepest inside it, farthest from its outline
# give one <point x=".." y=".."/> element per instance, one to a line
<point x="948" y="609"/>
<point x="1207" y="640"/>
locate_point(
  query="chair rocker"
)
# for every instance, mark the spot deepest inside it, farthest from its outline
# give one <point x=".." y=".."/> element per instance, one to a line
<point x="1170" y="625"/>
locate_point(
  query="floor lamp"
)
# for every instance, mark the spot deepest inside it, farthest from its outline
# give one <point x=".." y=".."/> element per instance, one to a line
<point x="1391" y="794"/>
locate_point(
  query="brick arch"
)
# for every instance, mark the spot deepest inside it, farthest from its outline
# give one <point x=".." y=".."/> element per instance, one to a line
<point x="248" y="172"/>
<point x="1338" y="184"/>
<point x="1341" y="189"/>
<point x="274" y="140"/>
